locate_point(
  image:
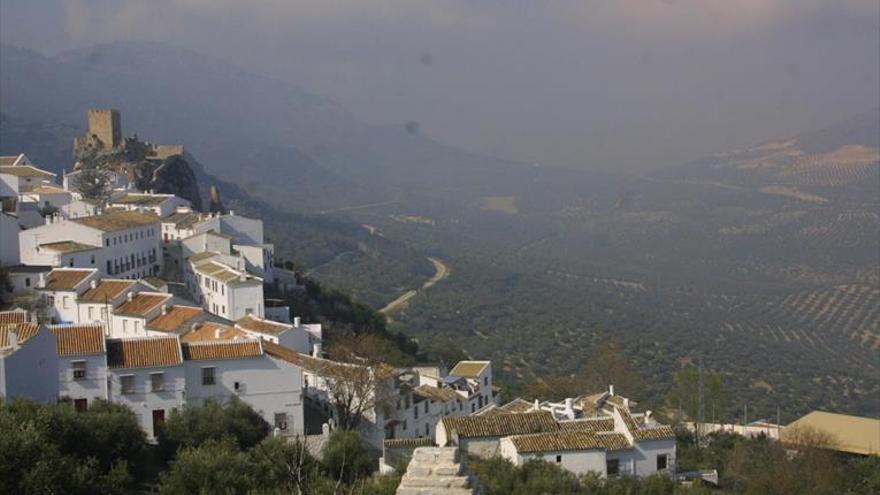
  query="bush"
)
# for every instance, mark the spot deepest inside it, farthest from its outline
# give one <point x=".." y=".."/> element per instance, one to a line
<point x="215" y="466"/>
<point x="346" y="457"/>
<point x="194" y="425"/>
<point x="53" y="449"/>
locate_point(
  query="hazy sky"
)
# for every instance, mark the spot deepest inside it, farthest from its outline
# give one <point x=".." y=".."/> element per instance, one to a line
<point x="612" y="84"/>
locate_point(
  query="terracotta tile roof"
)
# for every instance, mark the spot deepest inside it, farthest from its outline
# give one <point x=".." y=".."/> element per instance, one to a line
<point x="77" y="340"/>
<point x="229" y="349"/>
<point x="224" y="273"/>
<point x="314" y="365"/>
<point x="68" y="247"/>
<point x="106" y="290"/>
<point x="391" y="443"/>
<point x="149" y="352"/>
<point x="261" y="325"/>
<point x="183" y="220"/>
<point x="175" y="318"/>
<point x="436" y="393"/>
<point x="7" y="317"/>
<point x="8" y="160"/>
<point x="593" y="425"/>
<point x="641" y="431"/>
<point x="24" y="331"/>
<point x="499" y="425"/>
<point x="569" y="440"/>
<point x="469" y="369"/>
<point x="26" y="171"/>
<point x="49" y="189"/>
<point x="118" y="220"/>
<point x="207" y="331"/>
<point x="142" y="199"/>
<point x="66" y="279"/>
<point x="141" y="304"/>
<point x="204" y="255"/>
<point x="517" y="406"/>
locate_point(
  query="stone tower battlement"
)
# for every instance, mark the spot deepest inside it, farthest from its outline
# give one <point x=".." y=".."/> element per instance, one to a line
<point x="105" y="124"/>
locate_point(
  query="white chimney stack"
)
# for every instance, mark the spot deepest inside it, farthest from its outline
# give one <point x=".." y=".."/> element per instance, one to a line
<point x="647" y="416"/>
<point x="296" y="321"/>
<point x="130" y="295"/>
<point x="316" y="350"/>
<point x="13" y="340"/>
<point x="93" y="284"/>
<point x="569" y="407"/>
<point x="610" y="389"/>
<point x="216" y="333"/>
<point x="164" y="309"/>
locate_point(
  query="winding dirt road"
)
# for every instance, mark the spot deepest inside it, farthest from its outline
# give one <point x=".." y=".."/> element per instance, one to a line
<point x="441" y="271"/>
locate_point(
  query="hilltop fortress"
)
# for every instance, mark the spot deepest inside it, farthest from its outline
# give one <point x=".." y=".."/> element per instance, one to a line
<point x="105" y="134"/>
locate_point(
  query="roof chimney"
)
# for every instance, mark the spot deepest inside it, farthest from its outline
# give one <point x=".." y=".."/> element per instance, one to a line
<point x="610" y="389"/>
<point x="296" y="321"/>
<point x="217" y="333"/>
<point x="164" y="309"/>
<point x="647" y="416"/>
<point x="93" y="284"/>
<point x="13" y="340"/>
<point x="316" y="350"/>
<point x="130" y="295"/>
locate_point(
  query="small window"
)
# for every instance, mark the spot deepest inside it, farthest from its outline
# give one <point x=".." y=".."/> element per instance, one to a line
<point x="79" y="370"/>
<point x="426" y="407"/>
<point x="486" y="381"/>
<point x="404" y="425"/>
<point x="65" y="302"/>
<point x="157" y="382"/>
<point x="559" y="459"/>
<point x="612" y="467"/>
<point x="427" y="430"/>
<point x="662" y="462"/>
<point x="416" y="412"/>
<point x="27" y="282"/>
<point x="127" y="384"/>
<point x="80" y="405"/>
<point x="208" y="377"/>
<point x="281" y="421"/>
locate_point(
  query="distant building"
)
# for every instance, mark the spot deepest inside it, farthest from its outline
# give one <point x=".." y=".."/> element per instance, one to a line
<point x="845" y="433"/>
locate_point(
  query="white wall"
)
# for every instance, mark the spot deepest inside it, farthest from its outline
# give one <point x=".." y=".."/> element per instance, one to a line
<point x="245" y="299"/>
<point x="268" y="385"/>
<point x="92" y="387"/>
<point x="32" y="370"/>
<point x="9" y="229"/>
<point x="143" y="401"/>
<point x="645" y="456"/>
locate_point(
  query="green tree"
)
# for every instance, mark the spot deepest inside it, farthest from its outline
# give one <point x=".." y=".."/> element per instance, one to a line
<point x="345" y="457"/>
<point x="93" y="180"/>
<point x="212" y="420"/>
<point x="215" y="466"/>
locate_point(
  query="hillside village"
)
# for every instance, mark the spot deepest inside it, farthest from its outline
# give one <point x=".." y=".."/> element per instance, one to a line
<point x="141" y="298"/>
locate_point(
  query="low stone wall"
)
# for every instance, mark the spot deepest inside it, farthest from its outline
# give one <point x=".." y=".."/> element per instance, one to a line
<point x="399" y="451"/>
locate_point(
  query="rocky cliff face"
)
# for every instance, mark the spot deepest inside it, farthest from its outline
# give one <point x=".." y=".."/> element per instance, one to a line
<point x="172" y="175"/>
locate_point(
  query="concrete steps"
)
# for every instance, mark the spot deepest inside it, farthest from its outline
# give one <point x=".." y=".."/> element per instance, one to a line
<point x="436" y="471"/>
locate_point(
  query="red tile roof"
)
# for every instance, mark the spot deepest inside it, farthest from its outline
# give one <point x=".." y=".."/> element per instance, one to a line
<point x="150" y="352"/>
<point x="76" y="340"/>
<point x="230" y="349"/>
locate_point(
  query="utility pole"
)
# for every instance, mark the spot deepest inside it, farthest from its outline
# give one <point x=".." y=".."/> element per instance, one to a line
<point x="700" y="405"/>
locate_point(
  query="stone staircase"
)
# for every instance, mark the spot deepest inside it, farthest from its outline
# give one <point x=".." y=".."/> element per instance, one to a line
<point x="436" y="471"/>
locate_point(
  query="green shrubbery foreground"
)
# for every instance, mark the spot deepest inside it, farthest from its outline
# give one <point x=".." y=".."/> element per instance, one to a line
<point x="226" y="448"/>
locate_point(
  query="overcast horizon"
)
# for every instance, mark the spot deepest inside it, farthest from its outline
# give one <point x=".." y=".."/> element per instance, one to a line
<point x="626" y="85"/>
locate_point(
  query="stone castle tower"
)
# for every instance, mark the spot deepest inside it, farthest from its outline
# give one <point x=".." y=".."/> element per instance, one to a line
<point x="106" y="126"/>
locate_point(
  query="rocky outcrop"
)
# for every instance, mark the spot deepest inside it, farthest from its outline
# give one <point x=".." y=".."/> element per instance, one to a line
<point x="437" y="471"/>
<point x="172" y="175"/>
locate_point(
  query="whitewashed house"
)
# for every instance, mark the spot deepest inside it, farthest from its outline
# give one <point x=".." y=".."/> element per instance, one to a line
<point x="130" y="318"/>
<point x="304" y="338"/>
<point x="82" y="364"/>
<point x="62" y="289"/>
<point x="147" y="375"/>
<point x="122" y="244"/>
<point x="161" y="205"/>
<point x="224" y="291"/>
<point x="97" y="303"/>
<point x="240" y="368"/>
<point x="179" y="225"/>
<point x="18" y="179"/>
<point x="9" y="229"/>
<point x="28" y="362"/>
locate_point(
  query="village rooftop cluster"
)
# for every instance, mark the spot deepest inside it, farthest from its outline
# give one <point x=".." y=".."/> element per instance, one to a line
<point x="146" y="301"/>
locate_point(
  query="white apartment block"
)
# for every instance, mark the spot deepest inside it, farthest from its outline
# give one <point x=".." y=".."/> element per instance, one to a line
<point x="303" y="338"/>
<point x="122" y="244"/>
<point x="62" y="289"/>
<point x="222" y="290"/>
